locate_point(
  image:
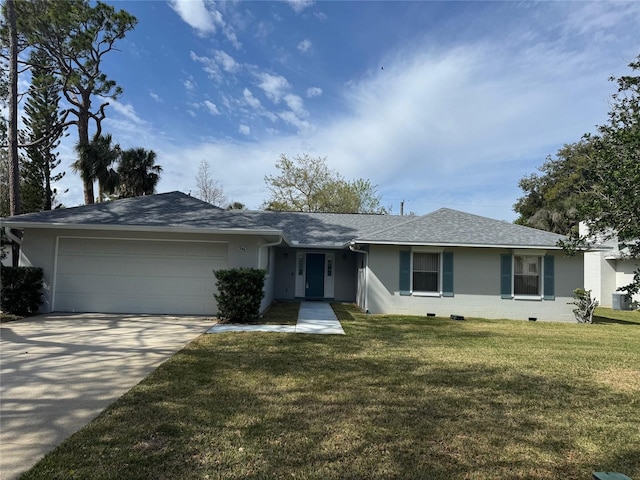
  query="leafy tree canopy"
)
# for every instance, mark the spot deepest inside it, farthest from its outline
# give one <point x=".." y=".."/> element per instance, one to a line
<point x="595" y="180"/>
<point x="74" y="36"/>
<point x="552" y="196"/>
<point x="138" y="173"/>
<point x="612" y="205"/>
<point x="306" y="184"/>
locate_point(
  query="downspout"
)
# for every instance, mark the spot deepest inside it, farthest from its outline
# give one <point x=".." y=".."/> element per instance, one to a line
<point x="267" y="245"/>
<point x="18" y="241"/>
<point x="353" y="248"/>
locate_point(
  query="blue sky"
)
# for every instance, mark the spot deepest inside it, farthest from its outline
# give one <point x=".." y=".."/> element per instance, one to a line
<point x="440" y="104"/>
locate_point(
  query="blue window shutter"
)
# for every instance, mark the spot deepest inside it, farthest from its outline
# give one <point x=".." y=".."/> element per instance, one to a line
<point x="505" y="276"/>
<point x="447" y="274"/>
<point x="549" y="278"/>
<point x="405" y="272"/>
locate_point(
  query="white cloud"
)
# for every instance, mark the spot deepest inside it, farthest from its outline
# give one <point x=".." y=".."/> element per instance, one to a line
<point x="244" y="130"/>
<point x="226" y="61"/>
<point x="597" y="18"/>
<point x="273" y="86"/>
<point x="195" y="13"/>
<point x="126" y="110"/>
<point x="295" y="103"/>
<point x="156" y="97"/>
<point x="189" y="84"/>
<point x="209" y="65"/>
<point x="299" y="5"/>
<point x="250" y="100"/>
<point x="314" y="92"/>
<point x="304" y="45"/>
<point x="303" y="126"/>
<point x="204" y="18"/>
<point x="213" y="109"/>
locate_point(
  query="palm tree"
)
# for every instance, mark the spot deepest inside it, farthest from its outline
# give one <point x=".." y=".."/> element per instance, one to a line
<point x="95" y="161"/>
<point x="139" y="175"/>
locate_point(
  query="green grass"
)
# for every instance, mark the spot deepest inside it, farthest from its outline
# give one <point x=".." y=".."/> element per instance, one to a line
<point x="280" y="313"/>
<point x="396" y="398"/>
<point x="625" y="317"/>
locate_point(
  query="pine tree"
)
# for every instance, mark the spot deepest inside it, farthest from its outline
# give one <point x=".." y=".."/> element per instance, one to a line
<point x="42" y="121"/>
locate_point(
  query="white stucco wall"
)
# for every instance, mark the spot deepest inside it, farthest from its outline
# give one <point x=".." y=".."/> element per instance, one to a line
<point x="625" y="270"/>
<point x="476" y="287"/>
<point x="605" y="271"/>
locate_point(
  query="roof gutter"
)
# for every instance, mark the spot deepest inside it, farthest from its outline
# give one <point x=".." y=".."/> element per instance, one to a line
<point x="353" y="248"/>
<point x="442" y="244"/>
<point x="143" y="228"/>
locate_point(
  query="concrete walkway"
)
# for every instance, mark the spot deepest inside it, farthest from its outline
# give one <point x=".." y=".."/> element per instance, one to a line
<point x="313" y="317"/>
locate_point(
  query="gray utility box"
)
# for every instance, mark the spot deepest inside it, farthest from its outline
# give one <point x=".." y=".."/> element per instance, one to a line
<point x="620" y="302"/>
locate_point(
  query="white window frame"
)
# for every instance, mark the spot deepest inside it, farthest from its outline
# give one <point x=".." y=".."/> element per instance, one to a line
<point x="540" y="257"/>
<point x="420" y="293"/>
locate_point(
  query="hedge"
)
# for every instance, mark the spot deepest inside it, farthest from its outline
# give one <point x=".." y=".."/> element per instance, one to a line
<point x="21" y="290"/>
<point x="240" y="291"/>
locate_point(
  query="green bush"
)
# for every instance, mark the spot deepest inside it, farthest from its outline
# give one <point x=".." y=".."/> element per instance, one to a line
<point x="21" y="290"/>
<point x="240" y="291"/>
<point x="585" y="305"/>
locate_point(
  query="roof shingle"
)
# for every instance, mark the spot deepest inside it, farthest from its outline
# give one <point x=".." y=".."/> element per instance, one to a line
<point x="329" y="230"/>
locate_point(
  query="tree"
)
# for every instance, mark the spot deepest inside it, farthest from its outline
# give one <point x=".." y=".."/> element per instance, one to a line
<point x="95" y="163"/>
<point x="5" y="199"/>
<point x="13" y="164"/>
<point x="208" y="189"/>
<point x="76" y="36"/>
<point x="42" y="121"/>
<point x="551" y="198"/>
<point x="306" y="184"/>
<point x="611" y="207"/>
<point x="138" y="173"/>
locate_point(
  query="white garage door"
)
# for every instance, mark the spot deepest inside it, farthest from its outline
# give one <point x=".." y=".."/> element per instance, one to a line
<point x="137" y="276"/>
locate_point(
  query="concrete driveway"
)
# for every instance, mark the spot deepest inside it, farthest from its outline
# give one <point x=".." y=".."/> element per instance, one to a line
<point x="59" y="371"/>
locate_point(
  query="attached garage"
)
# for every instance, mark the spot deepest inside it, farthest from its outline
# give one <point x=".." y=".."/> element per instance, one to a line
<point x="141" y="275"/>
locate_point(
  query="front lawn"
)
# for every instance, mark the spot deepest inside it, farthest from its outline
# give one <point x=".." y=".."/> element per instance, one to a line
<point x="396" y="398"/>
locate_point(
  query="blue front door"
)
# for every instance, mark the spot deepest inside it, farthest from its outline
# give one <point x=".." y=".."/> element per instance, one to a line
<point x="314" y="284"/>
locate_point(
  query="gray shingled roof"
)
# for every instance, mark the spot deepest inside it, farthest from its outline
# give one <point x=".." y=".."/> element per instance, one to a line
<point x="166" y="210"/>
<point x="451" y="227"/>
<point x="321" y="229"/>
<point x="180" y="211"/>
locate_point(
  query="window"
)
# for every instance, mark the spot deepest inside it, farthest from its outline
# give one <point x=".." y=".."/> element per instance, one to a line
<point x="329" y="267"/>
<point x="526" y="275"/>
<point x="426" y="272"/>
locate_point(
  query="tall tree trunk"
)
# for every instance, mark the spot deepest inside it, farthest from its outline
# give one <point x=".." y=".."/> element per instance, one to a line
<point x="14" y="167"/>
<point x="48" y="194"/>
<point x="83" y="139"/>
